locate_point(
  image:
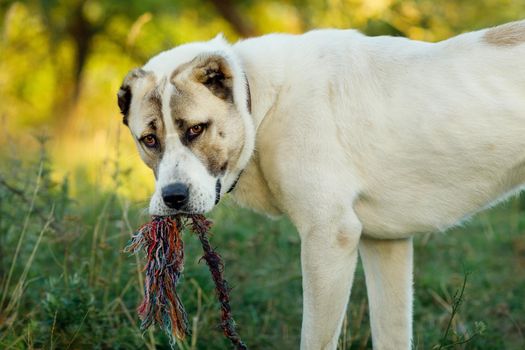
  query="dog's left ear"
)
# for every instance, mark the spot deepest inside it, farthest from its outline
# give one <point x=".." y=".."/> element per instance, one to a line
<point x="214" y="72"/>
<point x="124" y="93"/>
<point x="124" y="101"/>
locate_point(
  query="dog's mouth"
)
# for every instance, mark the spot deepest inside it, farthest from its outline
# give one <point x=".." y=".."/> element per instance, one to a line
<point x="169" y="212"/>
<point x="181" y="197"/>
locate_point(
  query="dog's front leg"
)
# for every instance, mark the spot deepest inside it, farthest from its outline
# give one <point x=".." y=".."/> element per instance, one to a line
<point x="328" y="258"/>
<point x="388" y="272"/>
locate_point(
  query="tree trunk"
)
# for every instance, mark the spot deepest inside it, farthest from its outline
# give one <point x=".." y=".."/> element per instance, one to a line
<point x="81" y="32"/>
<point x="229" y="12"/>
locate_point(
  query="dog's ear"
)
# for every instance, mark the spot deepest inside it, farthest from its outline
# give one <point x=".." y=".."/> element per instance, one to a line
<point x="124" y="93"/>
<point x="214" y="72"/>
<point x="124" y="100"/>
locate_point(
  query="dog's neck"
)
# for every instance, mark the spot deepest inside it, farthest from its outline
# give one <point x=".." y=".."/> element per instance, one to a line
<point x="237" y="174"/>
<point x="249" y="106"/>
<point x="263" y="86"/>
<point x="264" y="80"/>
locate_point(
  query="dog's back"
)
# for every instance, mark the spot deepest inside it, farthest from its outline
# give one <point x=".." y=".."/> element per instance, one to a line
<point x="447" y="138"/>
<point x="434" y="132"/>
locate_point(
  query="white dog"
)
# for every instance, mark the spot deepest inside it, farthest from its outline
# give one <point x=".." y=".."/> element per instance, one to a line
<point x="363" y="142"/>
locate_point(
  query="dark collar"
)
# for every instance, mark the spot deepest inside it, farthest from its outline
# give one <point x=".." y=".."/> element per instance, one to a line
<point x="248" y="94"/>
<point x="218" y="187"/>
<point x="232" y="187"/>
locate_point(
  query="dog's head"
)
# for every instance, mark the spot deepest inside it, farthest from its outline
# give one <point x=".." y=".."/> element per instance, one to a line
<point x="188" y="112"/>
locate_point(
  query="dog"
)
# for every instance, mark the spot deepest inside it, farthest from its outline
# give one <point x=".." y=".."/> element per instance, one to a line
<point x="363" y="142"/>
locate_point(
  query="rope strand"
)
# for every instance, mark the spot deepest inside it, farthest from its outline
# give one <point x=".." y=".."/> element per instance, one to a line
<point x="200" y="226"/>
<point x="161" y="240"/>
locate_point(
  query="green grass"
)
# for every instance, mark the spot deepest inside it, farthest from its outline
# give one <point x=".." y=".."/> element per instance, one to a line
<point x="66" y="284"/>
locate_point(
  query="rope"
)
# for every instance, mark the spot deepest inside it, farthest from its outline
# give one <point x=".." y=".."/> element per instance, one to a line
<point x="161" y="240"/>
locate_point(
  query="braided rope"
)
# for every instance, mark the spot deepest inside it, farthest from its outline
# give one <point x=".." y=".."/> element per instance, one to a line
<point x="200" y="225"/>
<point x="161" y="239"/>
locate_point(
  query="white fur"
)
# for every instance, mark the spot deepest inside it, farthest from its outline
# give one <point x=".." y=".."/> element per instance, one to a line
<point x="364" y="142"/>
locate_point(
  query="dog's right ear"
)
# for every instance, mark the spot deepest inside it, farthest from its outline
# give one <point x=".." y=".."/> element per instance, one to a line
<point x="214" y="72"/>
<point x="211" y="70"/>
<point x="124" y="93"/>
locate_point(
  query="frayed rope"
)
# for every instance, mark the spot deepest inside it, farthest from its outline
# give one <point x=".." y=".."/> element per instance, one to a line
<point x="161" y="239"/>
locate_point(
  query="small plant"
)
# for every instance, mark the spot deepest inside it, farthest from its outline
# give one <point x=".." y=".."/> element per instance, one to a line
<point x="452" y="339"/>
<point x="68" y="307"/>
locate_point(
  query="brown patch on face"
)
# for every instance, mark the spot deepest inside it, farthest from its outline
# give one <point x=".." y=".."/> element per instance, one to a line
<point x="145" y="117"/>
<point x="509" y="34"/>
<point x="152" y="105"/>
<point x="181" y="102"/>
<point x="214" y="155"/>
<point x="152" y="156"/>
<point x="153" y="102"/>
<point x="192" y="104"/>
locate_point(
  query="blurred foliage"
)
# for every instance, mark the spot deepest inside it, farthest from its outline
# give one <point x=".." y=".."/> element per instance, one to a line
<point x="54" y="52"/>
<point x="72" y="185"/>
<point x="61" y="61"/>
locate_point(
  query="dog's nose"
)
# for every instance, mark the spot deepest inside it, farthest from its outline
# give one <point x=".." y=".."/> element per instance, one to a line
<point x="175" y="195"/>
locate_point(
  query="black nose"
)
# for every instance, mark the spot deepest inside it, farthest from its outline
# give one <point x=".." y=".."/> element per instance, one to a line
<point x="175" y="195"/>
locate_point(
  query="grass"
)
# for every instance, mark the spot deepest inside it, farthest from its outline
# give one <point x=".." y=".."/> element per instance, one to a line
<point x="66" y="284"/>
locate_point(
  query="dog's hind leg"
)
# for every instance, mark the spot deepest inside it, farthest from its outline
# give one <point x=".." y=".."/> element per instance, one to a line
<point x="388" y="272"/>
<point x="328" y="256"/>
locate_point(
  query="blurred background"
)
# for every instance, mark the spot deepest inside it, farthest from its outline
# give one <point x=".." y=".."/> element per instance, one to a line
<point x="72" y="187"/>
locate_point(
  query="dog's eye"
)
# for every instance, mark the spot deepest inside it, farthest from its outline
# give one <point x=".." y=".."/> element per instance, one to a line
<point x="195" y="131"/>
<point x="150" y="141"/>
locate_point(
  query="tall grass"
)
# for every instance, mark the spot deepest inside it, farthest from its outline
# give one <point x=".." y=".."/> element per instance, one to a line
<point x="66" y="284"/>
